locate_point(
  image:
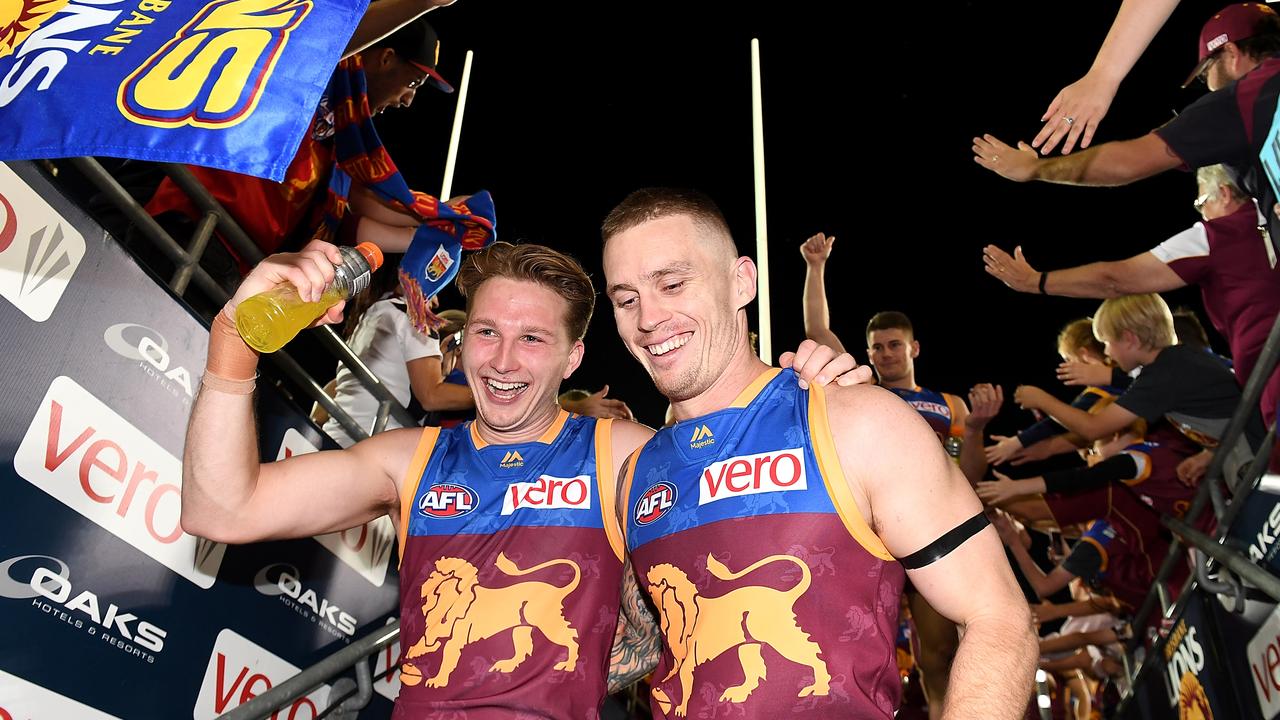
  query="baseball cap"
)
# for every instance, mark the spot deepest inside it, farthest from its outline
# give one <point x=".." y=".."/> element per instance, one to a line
<point x="1232" y="23"/>
<point x="418" y="45"/>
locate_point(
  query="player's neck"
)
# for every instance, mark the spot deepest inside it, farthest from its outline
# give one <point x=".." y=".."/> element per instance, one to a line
<point x="530" y="429"/>
<point x="907" y="382"/>
<point x="743" y="368"/>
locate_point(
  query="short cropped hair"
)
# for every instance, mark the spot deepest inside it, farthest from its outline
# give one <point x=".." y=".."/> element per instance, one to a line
<point x="654" y="203"/>
<point x="890" y="320"/>
<point x="539" y="264"/>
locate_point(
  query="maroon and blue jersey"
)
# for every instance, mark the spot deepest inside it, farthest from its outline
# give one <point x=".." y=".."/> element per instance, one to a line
<point x="1157" y="458"/>
<point x="938" y="409"/>
<point x="776" y="599"/>
<point x="510" y="574"/>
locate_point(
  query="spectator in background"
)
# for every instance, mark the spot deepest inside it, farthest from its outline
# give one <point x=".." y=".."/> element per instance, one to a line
<point x="1180" y="384"/>
<point x="407" y="362"/>
<point x="1058" y="651"/>
<point x="1191" y="332"/>
<point x="282" y="216"/>
<point x="596" y="404"/>
<point x="1075" y="343"/>
<point x="1230" y="125"/>
<point x="1078" y="108"/>
<point x="450" y="334"/>
<point x="1225" y="255"/>
<point x="1118" y="553"/>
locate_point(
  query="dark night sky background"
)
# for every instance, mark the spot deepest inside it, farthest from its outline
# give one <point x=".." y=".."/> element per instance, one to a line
<point x="869" y="112"/>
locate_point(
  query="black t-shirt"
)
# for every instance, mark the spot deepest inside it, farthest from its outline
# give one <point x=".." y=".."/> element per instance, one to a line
<point x="1193" y="390"/>
<point x="1230" y="126"/>
<point x="1182" y="380"/>
<point x="1084" y="561"/>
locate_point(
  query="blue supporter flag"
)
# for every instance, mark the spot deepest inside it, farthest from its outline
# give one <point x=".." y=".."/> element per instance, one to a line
<point x="230" y="84"/>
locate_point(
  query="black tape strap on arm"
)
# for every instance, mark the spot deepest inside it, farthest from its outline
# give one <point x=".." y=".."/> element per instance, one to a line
<point x="943" y="546"/>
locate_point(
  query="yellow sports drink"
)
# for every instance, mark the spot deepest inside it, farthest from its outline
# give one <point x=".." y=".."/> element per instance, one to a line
<point x="269" y="320"/>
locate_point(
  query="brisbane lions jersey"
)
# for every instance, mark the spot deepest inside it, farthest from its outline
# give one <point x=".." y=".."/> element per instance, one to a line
<point x="938" y="409"/>
<point x="510" y="572"/>
<point x="775" y="596"/>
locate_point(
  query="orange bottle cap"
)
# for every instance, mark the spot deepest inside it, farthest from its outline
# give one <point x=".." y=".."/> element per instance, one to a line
<point x="372" y="253"/>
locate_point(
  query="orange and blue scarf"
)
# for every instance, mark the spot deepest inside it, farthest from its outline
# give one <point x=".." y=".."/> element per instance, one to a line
<point x="446" y="229"/>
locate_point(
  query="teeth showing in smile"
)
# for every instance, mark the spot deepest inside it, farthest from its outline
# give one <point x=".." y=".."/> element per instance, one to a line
<point x="667" y="346"/>
<point x="506" y="387"/>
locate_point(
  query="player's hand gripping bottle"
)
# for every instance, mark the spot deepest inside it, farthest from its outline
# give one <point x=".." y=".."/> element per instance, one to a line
<point x="269" y="320"/>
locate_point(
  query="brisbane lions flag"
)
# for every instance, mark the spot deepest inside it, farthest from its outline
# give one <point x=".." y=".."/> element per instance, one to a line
<point x="230" y="84"/>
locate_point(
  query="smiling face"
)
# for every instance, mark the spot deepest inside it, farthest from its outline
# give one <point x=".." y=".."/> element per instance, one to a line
<point x="892" y="352"/>
<point x="516" y="352"/>
<point x="677" y="289"/>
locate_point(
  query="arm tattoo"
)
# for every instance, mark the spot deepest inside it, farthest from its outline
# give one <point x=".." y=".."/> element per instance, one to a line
<point x="638" y="642"/>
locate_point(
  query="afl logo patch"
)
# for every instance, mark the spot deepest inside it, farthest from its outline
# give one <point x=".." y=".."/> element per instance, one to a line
<point x="655" y="502"/>
<point x="448" y="500"/>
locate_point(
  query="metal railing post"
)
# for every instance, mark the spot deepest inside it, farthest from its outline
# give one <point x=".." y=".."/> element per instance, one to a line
<point x="312" y="677"/>
<point x="199" y="241"/>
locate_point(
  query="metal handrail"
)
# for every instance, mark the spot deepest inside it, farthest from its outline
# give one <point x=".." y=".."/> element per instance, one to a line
<point x="310" y="678"/>
<point x="1230" y="558"/>
<point x="1224" y="512"/>
<point x="188" y="270"/>
<point x="1249" y="400"/>
<point x="245" y="247"/>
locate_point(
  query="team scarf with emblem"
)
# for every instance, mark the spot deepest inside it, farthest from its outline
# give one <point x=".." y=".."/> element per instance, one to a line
<point x="445" y="230"/>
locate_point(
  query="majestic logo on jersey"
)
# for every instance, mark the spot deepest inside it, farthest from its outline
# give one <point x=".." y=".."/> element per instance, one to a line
<point x="459" y="611"/>
<point x="512" y="459"/>
<point x="448" y="500"/>
<point x="702" y="437"/>
<point x="654" y="503"/>
<point x="773" y="471"/>
<point x="699" y="629"/>
<point x="549" y="493"/>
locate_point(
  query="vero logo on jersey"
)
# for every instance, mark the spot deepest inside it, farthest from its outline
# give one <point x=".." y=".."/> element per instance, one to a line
<point x="655" y="502"/>
<point x="702" y="437"/>
<point x="512" y="459"/>
<point x="448" y="500"/>
<point x="549" y="493"/>
<point x="774" y="471"/>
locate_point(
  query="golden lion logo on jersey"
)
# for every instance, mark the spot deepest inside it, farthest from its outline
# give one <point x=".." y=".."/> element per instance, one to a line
<point x="699" y="629"/>
<point x="460" y="611"/>
<point x="1193" y="703"/>
<point x="20" y="18"/>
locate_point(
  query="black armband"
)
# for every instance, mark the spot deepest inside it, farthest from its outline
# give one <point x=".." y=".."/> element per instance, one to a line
<point x="949" y="541"/>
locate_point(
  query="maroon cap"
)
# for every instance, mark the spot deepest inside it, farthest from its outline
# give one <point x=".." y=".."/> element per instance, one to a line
<point x="1232" y="23"/>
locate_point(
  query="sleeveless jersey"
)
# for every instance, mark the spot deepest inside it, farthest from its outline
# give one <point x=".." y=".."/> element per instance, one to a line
<point x="774" y="595"/>
<point x="1157" y="457"/>
<point x="937" y="409"/>
<point x="510" y="574"/>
